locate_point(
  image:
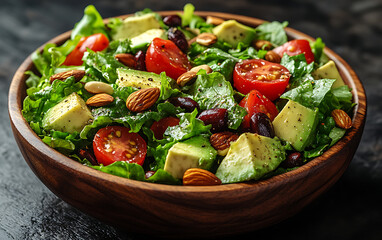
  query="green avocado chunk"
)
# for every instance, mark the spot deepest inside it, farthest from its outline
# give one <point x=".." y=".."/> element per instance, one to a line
<point x="233" y="32"/>
<point x="142" y="41"/>
<point x="329" y="70"/>
<point x="134" y="26"/>
<point x="296" y="124"/>
<point x="195" y="152"/>
<point x="137" y="79"/>
<point x="250" y="157"/>
<point x="69" y="115"/>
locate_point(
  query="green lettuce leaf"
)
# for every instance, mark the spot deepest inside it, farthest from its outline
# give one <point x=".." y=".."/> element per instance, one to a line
<point x="101" y="66"/>
<point x="161" y="176"/>
<point x="320" y="57"/>
<point x="273" y="32"/>
<point x="119" y="46"/>
<point x="90" y="23"/>
<point x="123" y="169"/>
<point x="213" y="91"/>
<point x="299" y="69"/>
<point x="213" y="54"/>
<point x="188" y="127"/>
<point x="311" y="93"/>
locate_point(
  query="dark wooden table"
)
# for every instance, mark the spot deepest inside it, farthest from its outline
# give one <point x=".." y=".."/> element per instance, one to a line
<point x="350" y="210"/>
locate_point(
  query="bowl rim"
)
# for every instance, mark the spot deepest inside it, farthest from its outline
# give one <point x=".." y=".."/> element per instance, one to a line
<point x="359" y="117"/>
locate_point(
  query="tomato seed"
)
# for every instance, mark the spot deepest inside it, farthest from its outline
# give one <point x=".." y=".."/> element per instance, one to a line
<point x="129" y="151"/>
<point x="118" y="133"/>
<point x="128" y="155"/>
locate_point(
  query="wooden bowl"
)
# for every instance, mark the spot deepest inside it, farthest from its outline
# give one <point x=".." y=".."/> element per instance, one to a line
<point x="174" y="211"/>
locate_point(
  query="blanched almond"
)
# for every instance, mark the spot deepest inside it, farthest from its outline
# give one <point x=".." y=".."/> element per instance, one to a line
<point x="95" y="87"/>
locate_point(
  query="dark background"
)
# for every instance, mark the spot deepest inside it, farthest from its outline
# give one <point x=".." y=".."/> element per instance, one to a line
<point x="349" y="210"/>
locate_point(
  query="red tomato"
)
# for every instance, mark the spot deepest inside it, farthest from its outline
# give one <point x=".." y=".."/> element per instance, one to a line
<point x="296" y="47"/>
<point x="256" y="102"/>
<point x="270" y="79"/>
<point x="160" y="127"/>
<point x="164" y="56"/>
<point x="95" y="42"/>
<point x="115" y="143"/>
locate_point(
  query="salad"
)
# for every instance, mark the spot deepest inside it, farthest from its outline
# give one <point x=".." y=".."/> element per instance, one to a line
<point x="187" y="100"/>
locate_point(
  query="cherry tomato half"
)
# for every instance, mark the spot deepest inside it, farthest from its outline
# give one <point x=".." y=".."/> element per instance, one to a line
<point x="116" y="143"/>
<point x="95" y="42"/>
<point x="160" y="126"/>
<point x="164" y="56"/>
<point x="296" y="47"/>
<point x="269" y="78"/>
<point x="256" y="102"/>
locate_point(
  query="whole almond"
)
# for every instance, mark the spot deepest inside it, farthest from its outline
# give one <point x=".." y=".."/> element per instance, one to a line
<point x="341" y="118"/>
<point x="99" y="100"/>
<point x="272" y="56"/>
<point x="221" y="141"/>
<point x="206" y="39"/>
<point x="95" y="87"/>
<point x="142" y="99"/>
<point x="214" y="20"/>
<point x="200" y="177"/>
<point x="189" y="76"/>
<point x="126" y="59"/>
<point x="77" y="74"/>
<point x="262" y="44"/>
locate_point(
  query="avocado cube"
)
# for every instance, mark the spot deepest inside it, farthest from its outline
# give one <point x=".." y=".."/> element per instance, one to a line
<point x="142" y="41"/>
<point x="329" y="70"/>
<point x="135" y="25"/>
<point x="250" y="157"/>
<point x="137" y="79"/>
<point x="233" y="32"/>
<point x="296" y="124"/>
<point x="195" y="152"/>
<point x="69" y="115"/>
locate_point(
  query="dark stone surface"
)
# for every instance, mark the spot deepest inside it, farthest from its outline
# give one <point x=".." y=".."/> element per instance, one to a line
<point x="349" y="210"/>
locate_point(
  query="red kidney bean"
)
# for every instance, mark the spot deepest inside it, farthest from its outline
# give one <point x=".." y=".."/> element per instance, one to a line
<point x="186" y="103"/>
<point x="172" y="21"/>
<point x="177" y="37"/>
<point x="293" y="160"/>
<point x="84" y="153"/>
<point x="217" y="117"/>
<point x="140" y="61"/>
<point x="262" y="125"/>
